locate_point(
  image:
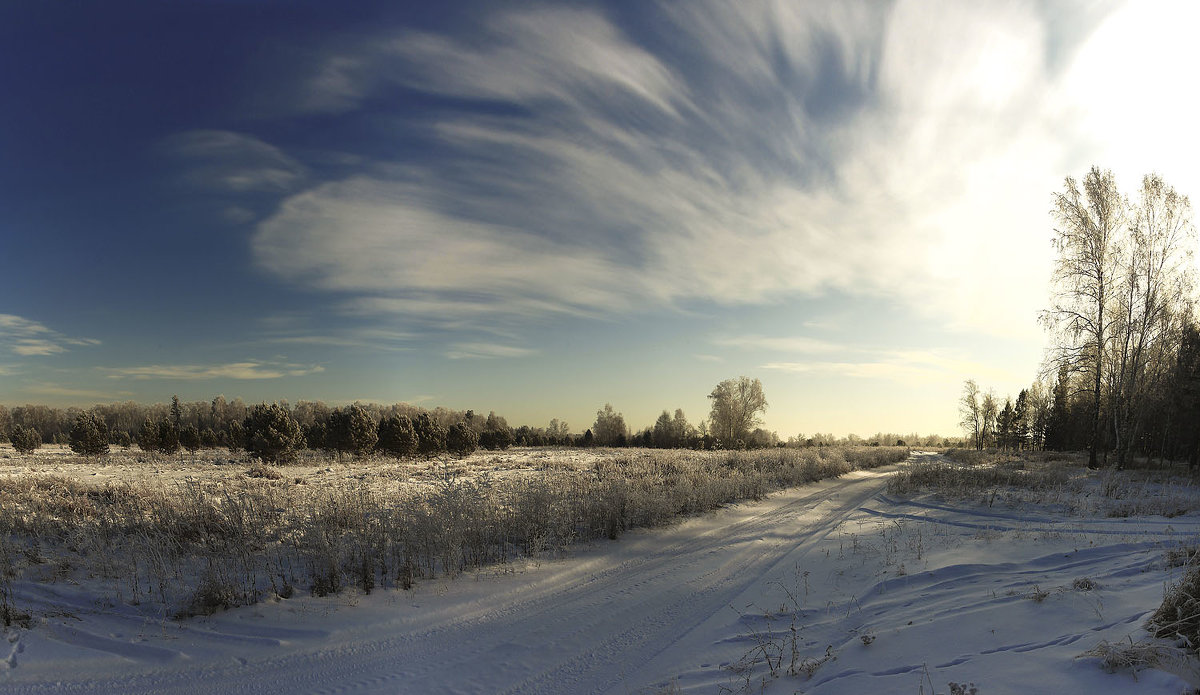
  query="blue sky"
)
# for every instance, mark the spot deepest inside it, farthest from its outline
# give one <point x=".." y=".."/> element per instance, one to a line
<point x="540" y="208"/>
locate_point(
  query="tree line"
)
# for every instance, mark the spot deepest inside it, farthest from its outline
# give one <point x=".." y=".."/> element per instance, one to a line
<point x="1125" y="351"/>
<point x="275" y="432"/>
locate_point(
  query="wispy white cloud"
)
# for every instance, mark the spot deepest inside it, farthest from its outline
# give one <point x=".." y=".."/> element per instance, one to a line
<point x="30" y="338"/>
<point x="250" y="369"/>
<point x="365" y="338"/>
<point x="460" y="351"/>
<point x="235" y="162"/>
<point x="42" y="388"/>
<point x="753" y="152"/>
<point x="909" y="367"/>
<point x="798" y="344"/>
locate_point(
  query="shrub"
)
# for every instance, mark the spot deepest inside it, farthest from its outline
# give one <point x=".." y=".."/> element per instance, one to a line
<point x="271" y="434"/>
<point x="25" y="439"/>
<point x="1179" y="615"/>
<point x="89" y="435"/>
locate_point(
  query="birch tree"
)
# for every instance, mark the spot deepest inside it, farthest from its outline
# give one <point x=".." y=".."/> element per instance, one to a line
<point x="1087" y="238"/>
<point x="968" y="408"/>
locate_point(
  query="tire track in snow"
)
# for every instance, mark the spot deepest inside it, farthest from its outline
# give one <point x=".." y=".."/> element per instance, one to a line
<point x="581" y="623"/>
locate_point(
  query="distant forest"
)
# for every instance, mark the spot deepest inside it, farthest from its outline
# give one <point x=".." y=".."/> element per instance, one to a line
<point x="277" y="431"/>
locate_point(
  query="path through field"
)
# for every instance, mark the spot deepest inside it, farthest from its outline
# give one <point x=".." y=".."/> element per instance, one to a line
<point x="673" y="607"/>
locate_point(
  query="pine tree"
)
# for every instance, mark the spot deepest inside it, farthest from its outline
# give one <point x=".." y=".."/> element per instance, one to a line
<point x="271" y="434"/>
<point x="397" y="436"/>
<point x="1059" y="422"/>
<point x="351" y="430"/>
<point x="89" y="435"/>
<point x="1020" y="420"/>
<point x="25" y="439"/>
<point x="431" y="437"/>
<point x="168" y="437"/>
<point x="461" y="440"/>
<point x="147" y="438"/>
<point x="189" y="438"/>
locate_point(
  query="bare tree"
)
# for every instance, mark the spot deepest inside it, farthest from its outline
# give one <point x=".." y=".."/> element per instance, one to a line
<point x="1151" y="307"/>
<point x="968" y="408"/>
<point x="736" y="405"/>
<point x="609" y="428"/>
<point x="988" y="410"/>
<point x="1087" y="237"/>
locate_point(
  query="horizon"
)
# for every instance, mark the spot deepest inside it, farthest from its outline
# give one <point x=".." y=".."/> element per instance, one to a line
<point x="537" y="210"/>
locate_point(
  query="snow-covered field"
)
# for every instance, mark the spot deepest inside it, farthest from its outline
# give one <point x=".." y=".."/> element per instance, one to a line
<point x="834" y="587"/>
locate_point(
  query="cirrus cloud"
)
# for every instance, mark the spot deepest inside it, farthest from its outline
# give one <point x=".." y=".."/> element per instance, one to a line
<point x="29" y="338"/>
<point x="729" y="154"/>
<point x="248" y="370"/>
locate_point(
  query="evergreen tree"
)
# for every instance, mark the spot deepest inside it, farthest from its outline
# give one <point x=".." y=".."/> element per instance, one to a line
<point x="147" y="438"/>
<point x="121" y="438"/>
<point x="89" y="435"/>
<point x="1020" y="420"/>
<point x="235" y="436"/>
<point x="25" y="439"/>
<point x="461" y="440"/>
<point x="189" y="438"/>
<point x="496" y="433"/>
<point x="271" y="434"/>
<point x="1004" y="426"/>
<point x="431" y="437"/>
<point x="316" y="436"/>
<point x="352" y="430"/>
<point x="397" y="436"/>
<point x="168" y="437"/>
<point x="1059" y="422"/>
<point x="1185" y="396"/>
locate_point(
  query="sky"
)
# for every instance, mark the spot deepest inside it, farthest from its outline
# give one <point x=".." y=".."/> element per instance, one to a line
<point x="540" y="208"/>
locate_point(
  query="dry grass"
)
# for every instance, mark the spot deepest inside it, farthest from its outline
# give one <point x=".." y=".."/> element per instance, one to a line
<point x="1178" y="617"/>
<point x="1132" y="655"/>
<point x="1054" y="478"/>
<point x="207" y="538"/>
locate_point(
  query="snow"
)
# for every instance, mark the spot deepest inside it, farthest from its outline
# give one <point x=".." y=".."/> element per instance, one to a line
<point x="903" y="595"/>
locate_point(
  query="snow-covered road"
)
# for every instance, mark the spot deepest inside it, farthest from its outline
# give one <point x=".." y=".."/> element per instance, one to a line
<point x="673" y="606"/>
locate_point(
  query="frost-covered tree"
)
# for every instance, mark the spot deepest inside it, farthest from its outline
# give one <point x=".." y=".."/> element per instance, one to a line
<point x="609" y="428"/>
<point x="397" y="436"/>
<point x="736" y="406"/>
<point x="271" y="434"/>
<point x="431" y="437"/>
<point x="89" y="435"/>
<point x="147" y="437"/>
<point x="968" y="410"/>
<point x="352" y="430"/>
<point x="25" y="439"/>
<point x="189" y="438"/>
<point x="461" y="440"/>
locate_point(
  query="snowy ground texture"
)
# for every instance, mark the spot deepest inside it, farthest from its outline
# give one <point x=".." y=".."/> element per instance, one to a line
<point x="835" y="587"/>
